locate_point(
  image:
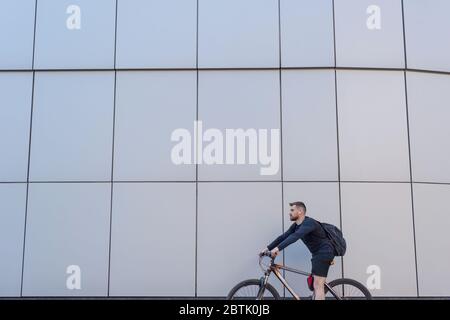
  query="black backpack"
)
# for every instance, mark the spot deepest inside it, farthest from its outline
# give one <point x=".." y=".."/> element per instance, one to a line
<point x="337" y="239"/>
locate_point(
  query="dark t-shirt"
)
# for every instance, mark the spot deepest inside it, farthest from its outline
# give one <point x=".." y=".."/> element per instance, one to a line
<point x="311" y="233"/>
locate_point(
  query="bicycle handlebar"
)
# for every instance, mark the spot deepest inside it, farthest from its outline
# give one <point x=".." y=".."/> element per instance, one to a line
<point x="261" y="256"/>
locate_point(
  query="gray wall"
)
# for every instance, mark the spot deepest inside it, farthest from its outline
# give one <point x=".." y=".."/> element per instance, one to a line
<point x="86" y="117"/>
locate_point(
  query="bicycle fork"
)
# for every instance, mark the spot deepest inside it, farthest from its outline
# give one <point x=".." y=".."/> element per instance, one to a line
<point x="262" y="286"/>
<point x="265" y="279"/>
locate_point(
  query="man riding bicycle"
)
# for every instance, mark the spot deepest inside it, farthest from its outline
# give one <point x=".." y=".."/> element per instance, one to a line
<point x="315" y="239"/>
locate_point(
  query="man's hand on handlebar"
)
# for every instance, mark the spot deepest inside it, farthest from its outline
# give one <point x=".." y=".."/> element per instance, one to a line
<point x="274" y="252"/>
<point x="267" y="252"/>
<point x="264" y="252"/>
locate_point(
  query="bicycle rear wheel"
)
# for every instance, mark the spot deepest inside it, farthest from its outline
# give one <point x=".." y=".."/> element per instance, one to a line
<point x="348" y="289"/>
<point x="249" y="289"/>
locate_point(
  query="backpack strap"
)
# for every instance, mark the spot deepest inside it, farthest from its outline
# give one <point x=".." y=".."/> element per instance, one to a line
<point x="326" y="232"/>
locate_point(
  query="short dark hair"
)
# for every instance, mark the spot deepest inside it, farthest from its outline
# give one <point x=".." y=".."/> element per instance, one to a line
<point x="299" y="204"/>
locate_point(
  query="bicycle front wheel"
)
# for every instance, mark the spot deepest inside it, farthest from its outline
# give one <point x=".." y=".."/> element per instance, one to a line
<point x="348" y="289"/>
<point x="249" y="289"/>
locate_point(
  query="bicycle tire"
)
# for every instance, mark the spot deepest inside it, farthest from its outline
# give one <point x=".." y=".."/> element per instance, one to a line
<point x="352" y="283"/>
<point x="252" y="282"/>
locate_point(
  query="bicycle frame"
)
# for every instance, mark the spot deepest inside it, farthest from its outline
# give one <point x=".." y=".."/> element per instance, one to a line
<point x="275" y="268"/>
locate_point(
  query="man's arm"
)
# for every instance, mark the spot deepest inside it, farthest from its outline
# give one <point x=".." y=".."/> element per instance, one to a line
<point x="300" y="233"/>
<point x="281" y="237"/>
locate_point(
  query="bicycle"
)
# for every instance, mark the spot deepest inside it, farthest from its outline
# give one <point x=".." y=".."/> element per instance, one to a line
<point x="259" y="289"/>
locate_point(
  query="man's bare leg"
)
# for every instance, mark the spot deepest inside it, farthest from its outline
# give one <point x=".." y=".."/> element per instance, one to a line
<point x="319" y="288"/>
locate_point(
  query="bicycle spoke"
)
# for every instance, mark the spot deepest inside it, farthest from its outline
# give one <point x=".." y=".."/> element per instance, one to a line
<point x="346" y="292"/>
<point x="250" y="292"/>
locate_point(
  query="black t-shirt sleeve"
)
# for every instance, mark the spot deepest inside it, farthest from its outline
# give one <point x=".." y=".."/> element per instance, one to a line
<point x="281" y="237"/>
<point x="305" y="228"/>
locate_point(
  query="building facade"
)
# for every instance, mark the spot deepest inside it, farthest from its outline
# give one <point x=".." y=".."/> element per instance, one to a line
<point x="116" y="175"/>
